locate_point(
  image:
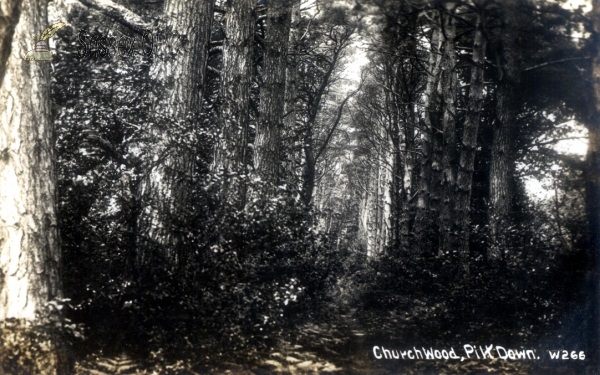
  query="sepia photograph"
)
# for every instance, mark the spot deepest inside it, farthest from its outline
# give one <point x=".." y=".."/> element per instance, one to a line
<point x="295" y="187"/>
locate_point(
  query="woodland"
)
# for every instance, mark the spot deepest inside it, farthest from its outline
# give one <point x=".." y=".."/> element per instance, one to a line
<point x="279" y="186"/>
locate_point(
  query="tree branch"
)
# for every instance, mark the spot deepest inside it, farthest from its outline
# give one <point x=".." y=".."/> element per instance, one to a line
<point x="119" y="13"/>
<point x="572" y="161"/>
<point x="555" y="62"/>
<point x="335" y="123"/>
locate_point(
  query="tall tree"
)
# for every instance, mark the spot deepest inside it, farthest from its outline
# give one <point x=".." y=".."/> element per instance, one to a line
<point x="29" y="244"/>
<point x="376" y="118"/>
<point x="449" y="83"/>
<point x="401" y="79"/>
<point x="30" y="250"/>
<point x="507" y="102"/>
<point x="267" y="144"/>
<point x="291" y="77"/>
<point x="179" y="73"/>
<point x="231" y="157"/>
<point x="469" y="136"/>
<point x="429" y="130"/>
<point x="319" y="74"/>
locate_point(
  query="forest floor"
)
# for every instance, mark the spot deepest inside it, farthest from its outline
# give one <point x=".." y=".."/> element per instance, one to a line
<point x="342" y="343"/>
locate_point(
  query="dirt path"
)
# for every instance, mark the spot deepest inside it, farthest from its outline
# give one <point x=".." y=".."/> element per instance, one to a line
<point x="344" y="346"/>
<point x="341" y="344"/>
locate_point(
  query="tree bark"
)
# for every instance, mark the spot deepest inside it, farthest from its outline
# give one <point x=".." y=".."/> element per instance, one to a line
<point x="363" y="213"/>
<point x="231" y="156"/>
<point x="409" y="178"/>
<point x="267" y="144"/>
<point x="30" y="257"/>
<point x="502" y="163"/>
<point x="449" y="83"/>
<point x="309" y="171"/>
<point x="29" y="242"/>
<point x="396" y="188"/>
<point x="469" y="141"/>
<point x="291" y="86"/>
<point x="178" y="71"/>
<point x="403" y="79"/>
<point x="385" y="200"/>
<point x="371" y="214"/>
<point x="181" y="68"/>
<point x="422" y="220"/>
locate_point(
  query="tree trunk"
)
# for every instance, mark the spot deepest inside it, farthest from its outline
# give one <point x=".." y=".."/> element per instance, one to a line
<point x="397" y="188"/>
<point x="409" y="178"/>
<point x="309" y="173"/>
<point x="377" y="211"/>
<point x="30" y="248"/>
<point x="180" y="68"/>
<point x="291" y="85"/>
<point x="405" y="79"/>
<point x="435" y="187"/>
<point x="501" y="169"/>
<point x="267" y="158"/>
<point x="372" y="212"/>
<point x="422" y="220"/>
<point x="236" y="78"/>
<point x="386" y="201"/>
<point x="363" y="215"/>
<point x="179" y="73"/>
<point x="29" y="242"/>
<point x="311" y="156"/>
<point x="592" y="177"/>
<point x="469" y="141"/>
<point x="449" y="83"/>
<point x="501" y="191"/>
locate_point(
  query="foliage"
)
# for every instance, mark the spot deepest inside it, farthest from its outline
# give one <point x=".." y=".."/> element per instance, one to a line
<point x="236" y="279"/>
<point x="43" y="347"/>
